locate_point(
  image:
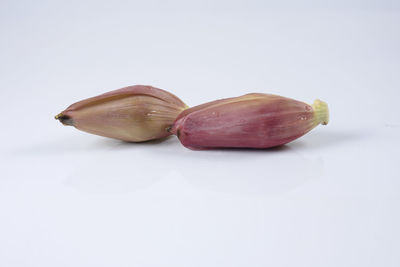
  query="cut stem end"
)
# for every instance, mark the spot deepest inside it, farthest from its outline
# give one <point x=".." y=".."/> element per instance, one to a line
<point x="321" y="112"/>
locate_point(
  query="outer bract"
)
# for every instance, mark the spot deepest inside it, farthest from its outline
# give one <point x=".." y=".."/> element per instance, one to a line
<point x="249" y="121"/>
<point x="135" y="113"/>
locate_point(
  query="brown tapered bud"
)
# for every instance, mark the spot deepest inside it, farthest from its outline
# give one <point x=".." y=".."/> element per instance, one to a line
<point x="135" y="113"/>
<point x="251" y="121"/>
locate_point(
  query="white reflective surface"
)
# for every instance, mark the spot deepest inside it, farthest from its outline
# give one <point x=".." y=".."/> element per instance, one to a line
<point x="331" y="198"/>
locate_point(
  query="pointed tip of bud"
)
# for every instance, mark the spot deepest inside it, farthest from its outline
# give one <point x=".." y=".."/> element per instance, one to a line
<point x="58" y="116"/>
<point x="64" y="119"/>
<point x="321" y="112"/>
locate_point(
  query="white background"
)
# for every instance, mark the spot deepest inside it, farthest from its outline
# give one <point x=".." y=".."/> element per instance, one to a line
<point x="331" y="198"/>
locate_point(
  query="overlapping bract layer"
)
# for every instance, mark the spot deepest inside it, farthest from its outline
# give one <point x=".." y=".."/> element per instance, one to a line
<point x="249" y="121"/>
<point x="135" y="113"/>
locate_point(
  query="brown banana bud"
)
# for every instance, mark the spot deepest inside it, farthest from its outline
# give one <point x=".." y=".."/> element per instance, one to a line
<point x="251" y="121"/>
<point x="135" y="113"/>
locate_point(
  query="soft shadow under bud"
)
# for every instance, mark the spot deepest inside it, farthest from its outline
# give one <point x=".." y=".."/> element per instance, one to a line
<point x="135" y="113"/>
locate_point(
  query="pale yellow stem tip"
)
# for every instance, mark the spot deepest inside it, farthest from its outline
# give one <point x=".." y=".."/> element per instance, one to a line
<point x="58" y="116"/>
<point x="321" y="112"/>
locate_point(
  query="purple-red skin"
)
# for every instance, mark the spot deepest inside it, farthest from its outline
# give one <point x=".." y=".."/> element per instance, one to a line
<point x="249" y="121"/>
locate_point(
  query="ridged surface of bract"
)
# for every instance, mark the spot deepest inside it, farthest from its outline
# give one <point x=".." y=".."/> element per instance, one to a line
<point x="135" y="113"/>
<point x="249" y="121"/>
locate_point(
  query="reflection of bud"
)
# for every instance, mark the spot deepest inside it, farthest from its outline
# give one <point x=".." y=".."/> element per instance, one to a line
<point x="252" y="120"/>
<point x="135" y="113"/>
